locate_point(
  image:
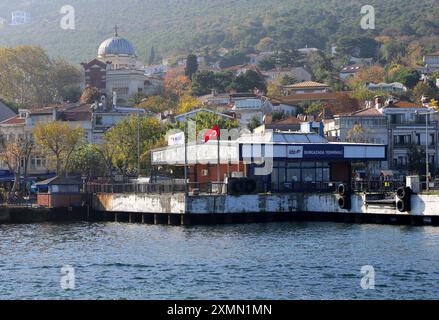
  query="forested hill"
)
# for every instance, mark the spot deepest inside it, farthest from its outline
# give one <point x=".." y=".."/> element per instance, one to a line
<point x="186" y="25"/>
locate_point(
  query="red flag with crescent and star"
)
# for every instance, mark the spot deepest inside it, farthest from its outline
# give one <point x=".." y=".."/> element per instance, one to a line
<point x="212" y="134"/>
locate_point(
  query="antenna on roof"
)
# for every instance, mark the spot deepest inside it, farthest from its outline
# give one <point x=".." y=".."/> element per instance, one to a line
<point x="116" y="28"/>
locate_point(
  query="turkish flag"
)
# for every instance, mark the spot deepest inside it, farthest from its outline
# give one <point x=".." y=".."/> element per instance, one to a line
<point x="212" y="134"/>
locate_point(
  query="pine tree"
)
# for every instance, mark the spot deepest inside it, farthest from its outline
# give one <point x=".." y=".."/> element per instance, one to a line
<point x="152" y="56"/>
<point x="191" y="65"/>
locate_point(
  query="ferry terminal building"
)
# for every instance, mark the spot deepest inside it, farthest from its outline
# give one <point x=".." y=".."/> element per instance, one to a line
<point x="277" y="161"/>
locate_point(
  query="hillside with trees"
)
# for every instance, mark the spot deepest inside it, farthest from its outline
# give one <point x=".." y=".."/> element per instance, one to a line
<point x="241" y="26"/>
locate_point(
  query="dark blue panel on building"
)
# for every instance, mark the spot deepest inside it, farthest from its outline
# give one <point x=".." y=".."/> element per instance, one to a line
<point x="323" y="152"/>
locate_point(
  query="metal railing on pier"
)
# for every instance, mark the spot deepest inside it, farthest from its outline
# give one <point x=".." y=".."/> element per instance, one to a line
<point x="366" y="186"/>
<point x="157" y="188"/>
<point x="378" y="186"/>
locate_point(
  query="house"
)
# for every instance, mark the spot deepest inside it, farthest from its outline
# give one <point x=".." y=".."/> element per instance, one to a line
<point x="156" y="70"/>
<point x="400" y="125"/>
<point x="215" y="99"/>
<point x="5" y="112"/>
<point x="395" y="87"/>
<point x="407" y="129"/>
<point x="94" y="119"/>
<point x="308" y="51"/>
<point x="280" y="105"/>
<point x="371" y="120"/>
<point x="298" y="98"/>
<point x="350" y="71"/>
<point x="19" y="17"/>
<point x="242" y="69"/>
<point x="255" y="58"/>
<point x="60" y="192"/>
<point x="374" y="129"/>
<point x="431" y="63"/>
<point x="300" y="74"/>
<point x="183" y="117"/>
<point x="247" y="109"/>
<point x="306" y="87"/>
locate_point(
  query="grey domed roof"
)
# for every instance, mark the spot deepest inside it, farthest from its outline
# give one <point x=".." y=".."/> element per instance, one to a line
<point x="116" y="46"/>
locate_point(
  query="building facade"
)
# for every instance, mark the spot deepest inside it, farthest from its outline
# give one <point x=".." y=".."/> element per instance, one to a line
<point x="117" y="69"/>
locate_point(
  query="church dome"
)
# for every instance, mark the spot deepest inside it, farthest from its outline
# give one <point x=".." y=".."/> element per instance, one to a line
<point x="116" y="46"/>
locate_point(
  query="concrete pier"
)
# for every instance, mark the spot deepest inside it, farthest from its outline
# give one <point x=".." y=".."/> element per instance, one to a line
<point x="178" y="209"/>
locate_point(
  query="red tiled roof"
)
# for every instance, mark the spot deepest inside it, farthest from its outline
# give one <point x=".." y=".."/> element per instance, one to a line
<point x="434" y="54"/>
<point x="307" y="84"/>
<point x="317" y="96"/>
<point x="14" y="120"/>
<point x="366" y="112"/>
<point x="404" y="104"/>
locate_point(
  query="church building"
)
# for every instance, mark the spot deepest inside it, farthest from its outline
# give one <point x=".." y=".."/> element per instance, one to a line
<point x="117" y="69"/>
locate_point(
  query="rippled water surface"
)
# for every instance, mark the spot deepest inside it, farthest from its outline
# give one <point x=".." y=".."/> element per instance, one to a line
<point x="257" y="261"/>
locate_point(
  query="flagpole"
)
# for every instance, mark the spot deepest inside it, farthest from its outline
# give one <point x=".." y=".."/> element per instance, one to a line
<point x="218" y="173"/>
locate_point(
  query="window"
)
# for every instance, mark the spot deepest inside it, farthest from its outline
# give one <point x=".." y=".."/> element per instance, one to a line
<point x="293" y="175"/>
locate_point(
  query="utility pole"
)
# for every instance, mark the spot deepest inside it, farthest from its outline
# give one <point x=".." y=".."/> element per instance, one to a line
<point x="427" y="172"/>
<point x="138" y="143"/>
<point x="185" y="158"/>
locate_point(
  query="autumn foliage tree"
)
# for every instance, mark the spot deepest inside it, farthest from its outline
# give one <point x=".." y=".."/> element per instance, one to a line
<point x="58" y="141"/>
<point x="123" y="139"/>
<point x="90" y="95"/>
<point x="373" y="74"/>
<point x="29" y="77"/>
<point x="16" y="155"/>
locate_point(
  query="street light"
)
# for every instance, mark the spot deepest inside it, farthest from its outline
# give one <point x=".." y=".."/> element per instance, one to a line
<point x="427" y="164"/>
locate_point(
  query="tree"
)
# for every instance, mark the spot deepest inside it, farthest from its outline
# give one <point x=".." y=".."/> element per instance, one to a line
<point x="357" y="134"/>
<point x="233" y="59"/>
<point x="58" y="141"/>
<point x="87" y="160"/>
<point x="288" y="58"/>
<point x="90" y="95"/>
<point x="361" y="47"/>
<point x="278" y="115"/>
<point x="188" y="103"/>
<point x="29" y="77"/>
<point x="16" y="155"/>
<point x="274" y="90"/>
<point x="176" y="85"/>
<point x="364" y="94"/>
<point x="254" y="123"/>
<point x="66" y="79"/>
<point x="314" y="109"/>
<point x="423" y="89"/>
<point x="123" y="139"/>
<point x="203" y="82"/>
<point x="265" y="44"/>
<point x="191" y="65"/>
<point x="152" y="57"/>
<point x="157" y="104"/>
<point x="267" y="63"/>
<point x="248" y="82"/>
<point x="287" y="80"/>
<point x="373" y="74"/>
<point x="137" y="98"/>
<point x="416" y="160"/>
<point x="408" y="77"/>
